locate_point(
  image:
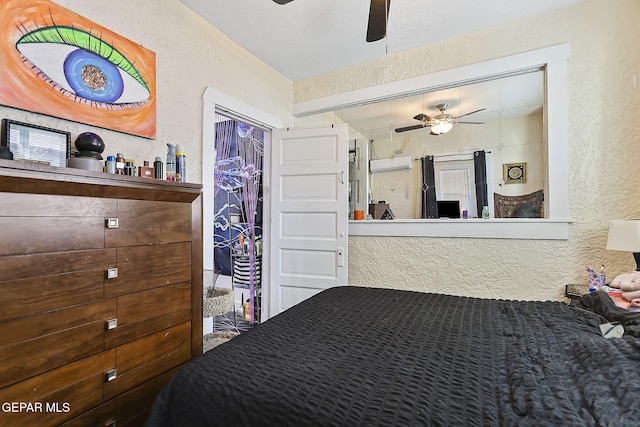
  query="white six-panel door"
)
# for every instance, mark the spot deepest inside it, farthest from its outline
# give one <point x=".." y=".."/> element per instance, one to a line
<point x="309" y="242"/>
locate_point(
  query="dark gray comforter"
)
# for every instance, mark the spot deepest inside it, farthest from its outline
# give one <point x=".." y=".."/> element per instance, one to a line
<point x="353" y="356"/>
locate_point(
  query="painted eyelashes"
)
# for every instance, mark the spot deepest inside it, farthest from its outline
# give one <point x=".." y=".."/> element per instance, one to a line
<point x="84" y="67"/>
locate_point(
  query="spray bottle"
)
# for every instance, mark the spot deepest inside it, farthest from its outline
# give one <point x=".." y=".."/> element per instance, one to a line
<point x="181" y="164"/>
<point x="171" y="162"/>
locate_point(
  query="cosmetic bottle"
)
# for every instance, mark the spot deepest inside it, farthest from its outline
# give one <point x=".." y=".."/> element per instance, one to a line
<point x="181" y="164"/>
<point x="247" y="310"/>
<point x="145" y="171"/>
<point x="157" y="169"/>
<point x="171" y="162"/>
<point x="129" y="168"/>
<point x="111" y="164"/>
<point x="120" y="163"/>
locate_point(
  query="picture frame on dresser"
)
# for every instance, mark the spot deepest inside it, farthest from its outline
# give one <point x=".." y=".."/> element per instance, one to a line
<point x="36" y="143"/>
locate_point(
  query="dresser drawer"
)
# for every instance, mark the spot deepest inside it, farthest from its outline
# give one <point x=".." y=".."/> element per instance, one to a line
<point x="146" y="312"/>
<point x="147" y="357"/>
<point x="154" y="214"/>
<point x="131" y="408"/>
<point x="36" y="223"/>
<point x="39" y="294"/>
<point x="37" y="344"/>
<point x="146" y="267"/>
<point x="38" y="266"/>
<point x="103" y="415"/>
<point x="144" y="222"/>
<point x="119" y="237"/>
<point x="27" y="205"/>
<point x="58" y="395"/>
<point x="30" y="235"/>
<point x="140" y="260"/>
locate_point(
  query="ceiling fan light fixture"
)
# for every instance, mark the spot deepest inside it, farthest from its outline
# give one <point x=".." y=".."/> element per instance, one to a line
<point x="442" y="127"/>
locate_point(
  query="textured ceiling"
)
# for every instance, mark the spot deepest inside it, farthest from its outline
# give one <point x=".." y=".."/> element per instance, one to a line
<point x="306" y="38"/>
<point x="310" y="37"/>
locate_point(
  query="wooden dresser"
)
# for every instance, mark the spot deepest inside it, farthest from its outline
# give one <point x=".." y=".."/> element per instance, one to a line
<point x="100" y="293"/>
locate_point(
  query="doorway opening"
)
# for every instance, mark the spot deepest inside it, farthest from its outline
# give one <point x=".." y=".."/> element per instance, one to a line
<point x="237" y="223"/>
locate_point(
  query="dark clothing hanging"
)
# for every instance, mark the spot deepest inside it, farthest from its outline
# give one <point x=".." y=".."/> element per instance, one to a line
<point x="429" y="205"/>
<point x="480" y="172"/>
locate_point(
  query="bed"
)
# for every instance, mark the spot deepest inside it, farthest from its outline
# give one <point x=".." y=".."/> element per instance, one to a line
<point x="356" y="356"/>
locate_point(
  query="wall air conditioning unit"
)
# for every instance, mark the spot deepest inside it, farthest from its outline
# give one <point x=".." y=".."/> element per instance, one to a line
<point x="386" y="165"/>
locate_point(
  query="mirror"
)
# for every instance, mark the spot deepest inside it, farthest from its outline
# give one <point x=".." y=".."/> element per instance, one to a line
<point x="509" y="129"/>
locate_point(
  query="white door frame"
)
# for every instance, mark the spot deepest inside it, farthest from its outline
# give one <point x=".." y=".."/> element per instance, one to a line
<point x="214" y="100"/>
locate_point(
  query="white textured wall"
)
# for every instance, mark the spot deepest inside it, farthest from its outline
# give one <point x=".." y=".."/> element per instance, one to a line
<point x="604" y="144"/>
<point x="191" y="55"/>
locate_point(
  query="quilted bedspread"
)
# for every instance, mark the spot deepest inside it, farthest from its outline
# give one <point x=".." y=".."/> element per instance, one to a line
<point x="354" y="356"/>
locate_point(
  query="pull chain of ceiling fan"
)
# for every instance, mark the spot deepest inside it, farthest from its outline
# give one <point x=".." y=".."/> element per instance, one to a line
<point x="387" y="3"/>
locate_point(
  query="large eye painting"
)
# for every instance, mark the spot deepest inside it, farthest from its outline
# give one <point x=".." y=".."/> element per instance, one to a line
<point x="84" y="67"/>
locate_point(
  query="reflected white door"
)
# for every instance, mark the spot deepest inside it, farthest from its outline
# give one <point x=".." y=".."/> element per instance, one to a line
<point x="309" y="213"/>
<point x="455" y="181"/>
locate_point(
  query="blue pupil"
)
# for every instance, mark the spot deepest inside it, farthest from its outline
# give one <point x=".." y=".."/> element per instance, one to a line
<point x="93" y="77"/>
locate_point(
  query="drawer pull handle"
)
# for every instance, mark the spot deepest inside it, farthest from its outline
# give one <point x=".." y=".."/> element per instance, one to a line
<point x="112" y="222"/>
<point x="112" y="273"/>
<point x="110" y="375"/>
<point x="110" y="423"/>
<point x="112" y="323"/>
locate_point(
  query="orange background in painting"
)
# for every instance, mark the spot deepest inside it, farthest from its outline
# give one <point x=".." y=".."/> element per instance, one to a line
<point x="20" y="86"/>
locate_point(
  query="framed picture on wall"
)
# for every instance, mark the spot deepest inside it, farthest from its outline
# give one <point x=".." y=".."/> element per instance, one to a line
<point x="36" y="143"/>
<point x="513" y="173"/>
<point x="61" y="64"/>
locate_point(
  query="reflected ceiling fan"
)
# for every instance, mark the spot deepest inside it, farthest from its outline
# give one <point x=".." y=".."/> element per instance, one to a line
<point x="378" y="17"/>
<point x="440" y="124"/>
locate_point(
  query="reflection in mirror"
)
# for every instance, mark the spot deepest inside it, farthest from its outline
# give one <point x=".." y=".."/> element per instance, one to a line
<point x="501" y="118"/>
<point x="359" y="187"/>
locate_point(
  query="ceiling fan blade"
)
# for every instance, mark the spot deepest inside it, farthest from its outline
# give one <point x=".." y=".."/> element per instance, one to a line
<point x="283" y="1"/>
<point x="412" y="127"/>
<point x="378" y="16"/>
<point x="471" y="112"/>
<point x="470" y="123"/>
